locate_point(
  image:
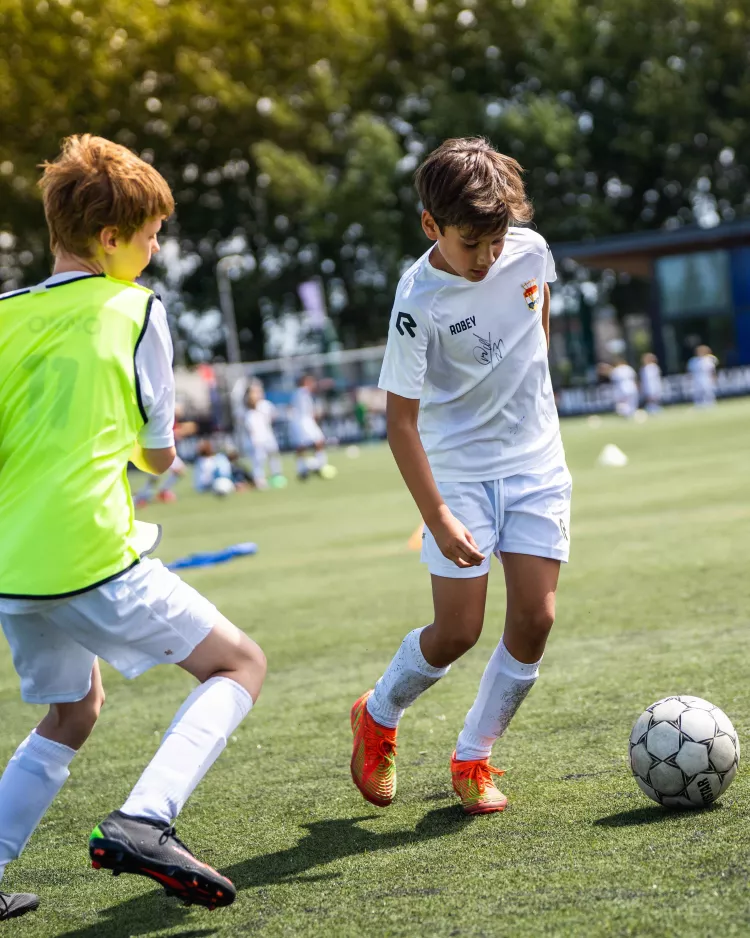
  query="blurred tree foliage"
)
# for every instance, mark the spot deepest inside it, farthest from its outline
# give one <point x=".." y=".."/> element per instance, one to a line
<point x="289" y="129"/>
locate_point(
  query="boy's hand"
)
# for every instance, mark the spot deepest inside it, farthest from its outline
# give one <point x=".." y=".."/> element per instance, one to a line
<point x="455" y="540"/>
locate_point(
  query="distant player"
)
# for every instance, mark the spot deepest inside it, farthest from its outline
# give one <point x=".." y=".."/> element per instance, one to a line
<point x="86" y="386"/>
<point x="263" y="446"/>
<point x="210" y="467"/>
<point x="163" y="488"/>
<point x="702" y="368"/>
<point x="305" y="433"/>
<point x="624" y="382"/>
<point x="473" y="428"/>
<point x="651" y="383"/>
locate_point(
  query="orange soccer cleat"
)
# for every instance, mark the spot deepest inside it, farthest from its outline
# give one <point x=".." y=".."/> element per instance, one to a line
<point x="472" y="782"/>
<point x="373" y="756"/>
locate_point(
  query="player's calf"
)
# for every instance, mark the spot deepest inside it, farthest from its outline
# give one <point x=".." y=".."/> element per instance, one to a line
<point x="459" y="619"/>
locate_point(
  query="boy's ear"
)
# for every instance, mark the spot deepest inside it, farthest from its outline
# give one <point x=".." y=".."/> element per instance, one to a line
<point x="109" y="239"/>
<point x="430" y="226"/>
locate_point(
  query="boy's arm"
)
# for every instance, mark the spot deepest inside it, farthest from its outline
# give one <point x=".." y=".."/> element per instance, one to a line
<point x="545" y="312"/>
<point x="154" y="450"/>
<point x="453" y="539"/>
<point x="154" y="461"/>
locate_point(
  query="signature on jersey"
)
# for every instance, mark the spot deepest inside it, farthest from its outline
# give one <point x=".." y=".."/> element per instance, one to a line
<point x="488" y="352"/>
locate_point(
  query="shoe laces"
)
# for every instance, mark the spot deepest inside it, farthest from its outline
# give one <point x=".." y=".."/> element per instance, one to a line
<point x="478" y="771"/>
<point x="169" y="833"/>
<point x="380" y="740"/>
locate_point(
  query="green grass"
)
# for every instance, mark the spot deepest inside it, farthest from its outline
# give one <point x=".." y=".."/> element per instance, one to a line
<point x="654" y="602"/>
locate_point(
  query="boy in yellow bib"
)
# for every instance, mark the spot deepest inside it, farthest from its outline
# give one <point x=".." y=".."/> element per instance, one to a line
<point x="86" y="385"/>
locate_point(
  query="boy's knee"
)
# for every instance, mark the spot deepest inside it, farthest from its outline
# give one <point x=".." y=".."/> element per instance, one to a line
<point x="458" y="638"/>
<point x="73" y="722"/>
<point x="249" y="666"/>
<point x="536" y="622"/>
<point x="252" y="658"/>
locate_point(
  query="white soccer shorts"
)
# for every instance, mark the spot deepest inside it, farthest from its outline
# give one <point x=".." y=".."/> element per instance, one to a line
<point x="523" y="514"/>
<point x="145" y="617"/>
<point x="305" y="433"/>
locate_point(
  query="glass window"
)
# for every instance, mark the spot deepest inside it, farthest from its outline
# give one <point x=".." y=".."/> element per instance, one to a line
<point x="691" y="284"/>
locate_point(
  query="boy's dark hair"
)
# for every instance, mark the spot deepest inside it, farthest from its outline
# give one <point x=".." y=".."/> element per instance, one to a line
<point x="468" y="184"/>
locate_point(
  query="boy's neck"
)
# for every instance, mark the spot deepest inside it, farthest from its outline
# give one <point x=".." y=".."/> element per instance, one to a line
<point x="71" y="263"/>
<point x="437" y="260"/>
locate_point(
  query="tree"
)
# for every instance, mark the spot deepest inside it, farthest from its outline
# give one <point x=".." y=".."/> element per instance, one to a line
<point x="289" y="132"/>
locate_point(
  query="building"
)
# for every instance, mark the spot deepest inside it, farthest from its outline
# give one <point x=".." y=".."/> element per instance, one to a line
<point x="697" y="288"/>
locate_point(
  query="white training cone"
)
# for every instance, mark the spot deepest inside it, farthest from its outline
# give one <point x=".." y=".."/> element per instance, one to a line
<point x="612" y="455"/>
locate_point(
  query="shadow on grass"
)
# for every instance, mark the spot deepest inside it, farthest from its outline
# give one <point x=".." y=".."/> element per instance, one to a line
<point x="650" y="815"/>
<point x="327" y="841"/>
<point x="324" y="842"/>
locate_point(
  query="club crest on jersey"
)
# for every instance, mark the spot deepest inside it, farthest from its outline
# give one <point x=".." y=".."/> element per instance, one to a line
<point x="531" y="294"/>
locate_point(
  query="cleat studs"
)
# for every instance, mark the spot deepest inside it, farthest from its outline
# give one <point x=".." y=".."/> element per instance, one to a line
<point x="99" y="852"/>
<point x="95" y="865"/>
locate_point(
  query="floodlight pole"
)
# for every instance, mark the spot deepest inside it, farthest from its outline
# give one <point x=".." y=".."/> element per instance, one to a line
<point x="226" y="302"/>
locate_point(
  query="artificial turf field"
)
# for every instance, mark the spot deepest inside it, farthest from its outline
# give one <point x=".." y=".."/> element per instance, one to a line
<point x="655" y="601"/>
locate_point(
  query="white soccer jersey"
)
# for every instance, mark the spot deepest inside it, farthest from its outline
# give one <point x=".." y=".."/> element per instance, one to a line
<point x="303" y="405"/>
<point x="703" y="369"/>
<point x="651" y="381"/>
<point x="475" y="355"/>
<point x="259" y="422"/>
<point x="623" y="379"/>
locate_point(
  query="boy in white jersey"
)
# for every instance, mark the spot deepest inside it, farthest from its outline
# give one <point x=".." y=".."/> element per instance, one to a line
<point x="473" y="427"/>
<point x="624" y="383"/>
<point x="702" y="367"/>
<point x="305" y="432"/>
<point x="651" y="383"/>
<point x="264" y="447"/>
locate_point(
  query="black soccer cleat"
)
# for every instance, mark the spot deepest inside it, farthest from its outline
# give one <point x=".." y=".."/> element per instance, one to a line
<point x="13" y="904"/>
<point x="126" y="844"/>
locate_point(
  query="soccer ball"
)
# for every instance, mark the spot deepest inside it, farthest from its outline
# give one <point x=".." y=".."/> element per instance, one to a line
<point x="684" y="752"/>
<point x="222" y="486"/>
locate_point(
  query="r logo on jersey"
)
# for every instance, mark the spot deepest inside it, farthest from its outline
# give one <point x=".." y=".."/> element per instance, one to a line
<point x="531" y="294"/>
<point x="405" y="321"/>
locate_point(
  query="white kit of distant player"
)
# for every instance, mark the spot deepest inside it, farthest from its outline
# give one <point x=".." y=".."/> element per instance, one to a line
<point x="305" y="433"/>
<point x="263" y="446"/>
<point x="651" y="382"/>
<point x="624" y="388"/>
<point x="702" y="369"/>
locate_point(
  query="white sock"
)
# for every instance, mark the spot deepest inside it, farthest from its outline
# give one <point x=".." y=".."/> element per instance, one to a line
<point x="147" y="489"/>
<point x="406" y="677"/>
<point x="276" y="468"/>
<point x="191" y="745"/>
<point x="35" y="774"/>
<point x="302" y="467"/>
<point x="320" y="459"/>
<point x="504" y="685"/>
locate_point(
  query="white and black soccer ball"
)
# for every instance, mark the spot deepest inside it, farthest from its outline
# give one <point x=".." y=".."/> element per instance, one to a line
<point x="684" y="752"/>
